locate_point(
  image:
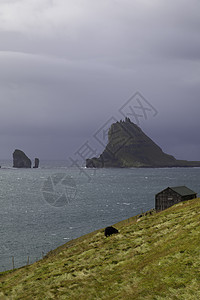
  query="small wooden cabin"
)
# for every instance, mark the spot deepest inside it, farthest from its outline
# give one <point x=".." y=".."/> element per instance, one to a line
<point x="173" y="195"/>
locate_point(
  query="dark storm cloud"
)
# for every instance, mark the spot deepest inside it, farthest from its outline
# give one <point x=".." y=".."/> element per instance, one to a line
<point x="66" y="67"/>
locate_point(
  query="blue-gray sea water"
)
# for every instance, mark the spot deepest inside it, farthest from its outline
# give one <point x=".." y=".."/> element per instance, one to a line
<point x="41" y="209"/>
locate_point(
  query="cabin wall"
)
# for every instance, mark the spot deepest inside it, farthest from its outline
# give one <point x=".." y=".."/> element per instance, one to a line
<point x="166" y="199"/>
<point x="189" y="197"/>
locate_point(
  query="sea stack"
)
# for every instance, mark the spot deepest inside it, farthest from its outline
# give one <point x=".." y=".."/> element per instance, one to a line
<point x="20" y="160"/>
<point x="37" y="161"/>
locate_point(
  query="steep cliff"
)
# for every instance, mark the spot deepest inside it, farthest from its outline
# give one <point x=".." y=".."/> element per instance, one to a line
<point x="37" y="161"/>
<point x="129" y="146"/>
<point x="20" y="160"/>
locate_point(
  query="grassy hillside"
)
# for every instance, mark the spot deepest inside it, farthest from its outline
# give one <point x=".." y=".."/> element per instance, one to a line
<point x="156" y="257"/>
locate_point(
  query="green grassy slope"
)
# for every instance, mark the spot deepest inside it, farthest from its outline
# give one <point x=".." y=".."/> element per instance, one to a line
<point x="156" y="257"/>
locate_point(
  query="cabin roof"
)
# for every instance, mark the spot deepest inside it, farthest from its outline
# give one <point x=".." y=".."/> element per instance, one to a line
<point x="182" y="190"/>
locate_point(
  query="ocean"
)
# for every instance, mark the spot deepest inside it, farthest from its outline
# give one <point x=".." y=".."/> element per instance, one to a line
<point x="41" y="209"/>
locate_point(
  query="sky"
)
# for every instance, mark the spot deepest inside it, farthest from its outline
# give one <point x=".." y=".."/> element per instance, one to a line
<point x="67" y="68"/>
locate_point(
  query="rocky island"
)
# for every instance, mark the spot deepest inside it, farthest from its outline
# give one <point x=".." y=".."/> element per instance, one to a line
<point x="37" y="161"/>
<point x="20" y="160"/>
<point x="128" y="146"/>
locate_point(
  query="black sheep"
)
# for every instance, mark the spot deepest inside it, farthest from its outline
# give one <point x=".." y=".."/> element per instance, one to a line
<point x="110" y="230"/>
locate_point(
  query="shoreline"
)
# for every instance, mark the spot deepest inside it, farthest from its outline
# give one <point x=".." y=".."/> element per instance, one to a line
<point x="73" y="242"/>
<point x="151" y="257"/>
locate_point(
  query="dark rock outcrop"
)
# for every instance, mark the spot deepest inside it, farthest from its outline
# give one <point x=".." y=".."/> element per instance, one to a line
<point x="110" y="230"/>
<point x="20" y="160"/>
<point x="128" y="146"/>
<point x="37" y="161"/>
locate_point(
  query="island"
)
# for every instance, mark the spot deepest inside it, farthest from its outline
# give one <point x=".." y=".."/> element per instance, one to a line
<point x="37" y="161"/>
<point x="128" y="146"/>
<point x="20" y="160"/>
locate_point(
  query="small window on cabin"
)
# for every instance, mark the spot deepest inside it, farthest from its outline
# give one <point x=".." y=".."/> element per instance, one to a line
<point x="170" y="198"/>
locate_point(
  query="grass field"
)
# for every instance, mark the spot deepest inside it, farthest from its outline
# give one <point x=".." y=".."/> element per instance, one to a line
<point x="155" y="257"/>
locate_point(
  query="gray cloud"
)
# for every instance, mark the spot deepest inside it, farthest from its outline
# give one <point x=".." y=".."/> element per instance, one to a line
<point x="66" y="67"/>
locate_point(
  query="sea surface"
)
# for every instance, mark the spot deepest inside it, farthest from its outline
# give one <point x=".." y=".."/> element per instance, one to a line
<point x="41" y="209"/>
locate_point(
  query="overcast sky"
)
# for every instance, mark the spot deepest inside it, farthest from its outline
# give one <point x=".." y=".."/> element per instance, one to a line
<point x="67" y="67"/>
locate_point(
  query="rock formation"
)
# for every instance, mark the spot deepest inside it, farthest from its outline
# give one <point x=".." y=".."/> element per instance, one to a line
<point x="20" y="160"/>
<point x="128" y="146"/>
<point x="37" y="161"/>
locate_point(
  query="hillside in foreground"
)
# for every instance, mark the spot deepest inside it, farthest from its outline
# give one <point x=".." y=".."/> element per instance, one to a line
<point x="128" y="146"/>
<point x="155" y="257"/>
